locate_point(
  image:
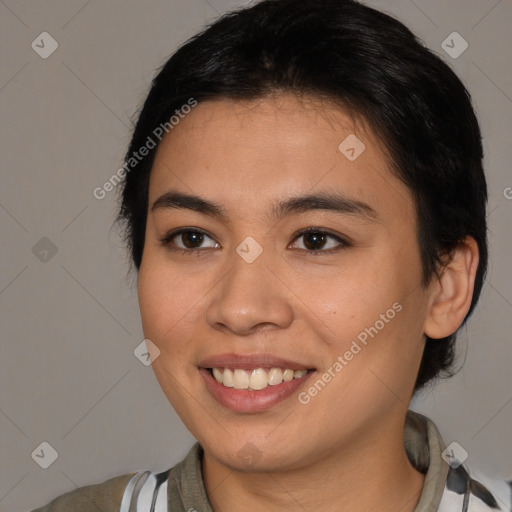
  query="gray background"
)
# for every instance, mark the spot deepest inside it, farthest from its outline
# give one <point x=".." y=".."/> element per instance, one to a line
<point x="70" y="321"/>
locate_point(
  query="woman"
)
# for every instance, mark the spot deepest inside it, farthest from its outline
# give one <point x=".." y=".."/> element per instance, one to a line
<point x="309" y="234"/>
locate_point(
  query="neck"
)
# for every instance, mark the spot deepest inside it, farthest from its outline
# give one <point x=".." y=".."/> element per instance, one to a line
<point x="372" y="472"/>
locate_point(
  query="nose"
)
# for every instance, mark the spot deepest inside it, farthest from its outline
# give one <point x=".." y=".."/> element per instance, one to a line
<point x="248" y="299"/>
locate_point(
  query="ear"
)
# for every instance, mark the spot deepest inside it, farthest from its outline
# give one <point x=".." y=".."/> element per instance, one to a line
<point x="452" y="291"/>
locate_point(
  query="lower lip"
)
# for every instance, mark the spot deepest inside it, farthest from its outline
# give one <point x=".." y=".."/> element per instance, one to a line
<point x="245" y="400"/>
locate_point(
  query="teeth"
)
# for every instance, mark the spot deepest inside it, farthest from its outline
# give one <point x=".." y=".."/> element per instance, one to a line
<point x="241" y="379"/>
<point x="217" y="374"/>
<point x="288" y="375"/>
<point x="256" y="379"/>
<point x="275" y="376"/>
<point x="228" y="379"/>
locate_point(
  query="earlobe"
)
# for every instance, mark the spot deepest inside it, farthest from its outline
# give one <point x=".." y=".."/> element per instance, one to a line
<point x="452" y="291"/>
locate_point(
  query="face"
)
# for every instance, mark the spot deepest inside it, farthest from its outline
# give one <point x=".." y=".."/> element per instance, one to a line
<point x="288" y="263"/>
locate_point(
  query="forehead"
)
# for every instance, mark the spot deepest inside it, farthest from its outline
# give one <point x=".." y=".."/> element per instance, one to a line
<point x="234" y="150"/>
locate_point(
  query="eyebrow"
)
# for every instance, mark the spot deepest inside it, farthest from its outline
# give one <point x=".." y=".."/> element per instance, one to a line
<point x="325" y="201"/>
<point x="290" y="206"/>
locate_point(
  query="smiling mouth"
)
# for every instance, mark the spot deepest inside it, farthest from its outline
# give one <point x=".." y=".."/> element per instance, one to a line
<point x="256" y="379"/>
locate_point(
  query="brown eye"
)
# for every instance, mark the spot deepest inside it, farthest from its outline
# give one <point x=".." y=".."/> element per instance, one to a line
<point x="188" y="240"/>
<point x="192" y="239"/>
<point x="314" y="241"/>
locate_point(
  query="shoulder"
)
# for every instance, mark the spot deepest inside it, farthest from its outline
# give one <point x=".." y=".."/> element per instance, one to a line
<point x="178" y="488"/>
<point x="105" y="496"/>
<point x="474" y="491"/>
<point x="450" y="485"/>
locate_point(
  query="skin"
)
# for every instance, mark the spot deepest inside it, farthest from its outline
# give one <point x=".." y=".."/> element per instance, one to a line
<point x="344" y="449"/>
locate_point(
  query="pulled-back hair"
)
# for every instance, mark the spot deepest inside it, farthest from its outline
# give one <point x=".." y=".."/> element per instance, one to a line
<point x="367" y="62"/>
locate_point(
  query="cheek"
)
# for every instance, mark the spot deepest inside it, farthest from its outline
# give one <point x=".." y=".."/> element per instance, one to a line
<point x="169" y="303"/>
<point x="169" y="310"/>
<point x="369" y="311"/>
<point x="351" y="296"/>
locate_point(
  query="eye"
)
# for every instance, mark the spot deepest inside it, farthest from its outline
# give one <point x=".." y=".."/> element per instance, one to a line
<point x="187" y="240"/>
<point x="314" y="239"/>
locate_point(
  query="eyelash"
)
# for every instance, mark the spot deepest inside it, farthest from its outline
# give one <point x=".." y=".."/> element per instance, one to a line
<point x="168" y="237"/>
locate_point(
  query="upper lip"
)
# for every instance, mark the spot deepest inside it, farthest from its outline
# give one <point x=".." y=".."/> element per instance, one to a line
<point x="249" y="362"/>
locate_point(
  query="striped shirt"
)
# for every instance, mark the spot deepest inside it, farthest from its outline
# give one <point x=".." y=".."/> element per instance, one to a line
<point x="449" y="486"/>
